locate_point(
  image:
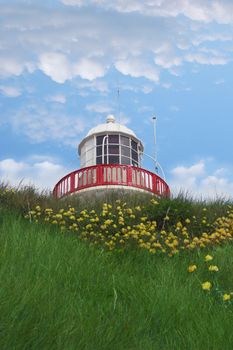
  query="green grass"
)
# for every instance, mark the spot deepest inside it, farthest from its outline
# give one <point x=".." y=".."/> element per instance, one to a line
<point x="60" y="293"/>
<point x="24" y="199"/>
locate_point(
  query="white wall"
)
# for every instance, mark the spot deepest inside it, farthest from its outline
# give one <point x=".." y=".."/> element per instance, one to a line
<point x="87" y="157"/>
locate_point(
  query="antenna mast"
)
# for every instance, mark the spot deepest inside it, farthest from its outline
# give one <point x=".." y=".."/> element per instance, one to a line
<point x="155" y="140"/>
<point x="118" y="103"/>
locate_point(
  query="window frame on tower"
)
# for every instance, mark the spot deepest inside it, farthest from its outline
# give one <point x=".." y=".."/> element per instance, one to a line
<point x="118" y="149"/>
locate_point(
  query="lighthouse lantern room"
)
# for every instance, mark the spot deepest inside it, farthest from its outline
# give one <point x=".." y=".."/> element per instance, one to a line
<point x="110" y="143"/>
<point x="110" y="158"/>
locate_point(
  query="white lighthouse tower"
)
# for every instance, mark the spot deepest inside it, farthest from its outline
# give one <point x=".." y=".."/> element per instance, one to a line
<point x="110" y="158"/>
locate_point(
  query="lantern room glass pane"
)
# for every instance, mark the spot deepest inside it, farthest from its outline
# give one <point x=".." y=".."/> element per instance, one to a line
<point x="99" y="160"/>
<point x="113" y="159"/>
<point x="135" y="156"/>
<point x="99" y="151"/>
<point x="124" y="141"/>
<point x="113" y="139"/>
<point x="125" y="151"/>
<point x="134" y="145"/>
<point x="125" y="160"/>
<point x="113" y="149"/>
<point x="99" y="139"/>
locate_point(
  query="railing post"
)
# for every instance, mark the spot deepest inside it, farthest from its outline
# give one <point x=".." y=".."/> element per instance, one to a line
<point x="99" y="175"/>
<point x="72" y="176"/>
<point x="129" y="176"/>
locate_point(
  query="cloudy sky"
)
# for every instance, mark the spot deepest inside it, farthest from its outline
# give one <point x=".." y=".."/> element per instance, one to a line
<point x="63" y="61"/>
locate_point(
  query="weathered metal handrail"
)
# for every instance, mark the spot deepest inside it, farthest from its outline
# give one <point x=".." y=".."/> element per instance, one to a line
<point x="111" y="174"/>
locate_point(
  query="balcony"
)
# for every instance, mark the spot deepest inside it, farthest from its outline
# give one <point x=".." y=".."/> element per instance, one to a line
<point x="111" y="176"/>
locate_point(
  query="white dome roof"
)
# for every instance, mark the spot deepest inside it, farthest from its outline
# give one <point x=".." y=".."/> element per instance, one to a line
<point x="110" y="126"/>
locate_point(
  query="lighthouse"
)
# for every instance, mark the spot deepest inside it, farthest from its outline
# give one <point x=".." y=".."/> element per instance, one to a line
<point x="110" y="159"/>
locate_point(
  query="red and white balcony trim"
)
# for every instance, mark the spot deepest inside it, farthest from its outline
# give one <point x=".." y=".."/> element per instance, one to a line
<point x="111" y="176"/>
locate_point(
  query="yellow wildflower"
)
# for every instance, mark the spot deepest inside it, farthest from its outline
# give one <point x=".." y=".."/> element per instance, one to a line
<point x="213" y="268"/>
<point x="208" y="258"/>
<point x="129" y="211"/>
<point x="192" y="268"/>
<point x="153" y="201"/>
<point x="58" y="216"/>
<point x="226" y="297"/>
<point x="206" y="285"/>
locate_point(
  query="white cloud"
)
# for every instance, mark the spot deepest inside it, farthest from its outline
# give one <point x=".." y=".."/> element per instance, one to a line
<point x="99" y="108"/>
<point x="136" y="87"/>
<point x="194" y="170"/>
<point x="66" y="43"/>
<point x="73" y="2"/>
<point x="60" y="98"/>
<point x="10" y="91"/>
<point x="41" y="124"/>
<point x="147" y="89"/>
<point x="9" y="67"/>
<point x="43" y="174"/>
<point x="206" y="59"/>
<point x="201" y="183"/>
<point x="56" y="66"/>
<point x="218" y="37"/>
<point x="168" y="61"/>
<point x="199" y="10"/>
<point x="59" y="68"/>
<point x="96" y="85"/>
<point x="137" y="68"/>
<point x="89" y="69"/>
<point x="219" y="82"/>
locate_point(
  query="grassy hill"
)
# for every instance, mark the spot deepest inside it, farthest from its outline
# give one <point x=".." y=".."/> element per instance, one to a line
<point x="58" y="291"/>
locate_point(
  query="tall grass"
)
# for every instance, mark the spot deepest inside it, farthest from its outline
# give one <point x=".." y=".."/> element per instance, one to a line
<point x="24" y="198"/>
<point x="59" y="293"/>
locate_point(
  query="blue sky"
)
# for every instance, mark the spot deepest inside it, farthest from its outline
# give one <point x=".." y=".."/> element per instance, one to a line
<point x="62" y="61"/>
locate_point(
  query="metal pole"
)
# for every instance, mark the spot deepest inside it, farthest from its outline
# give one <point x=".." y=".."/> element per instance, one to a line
<point x="155" y="148"/>
<point x="105" y="137"/>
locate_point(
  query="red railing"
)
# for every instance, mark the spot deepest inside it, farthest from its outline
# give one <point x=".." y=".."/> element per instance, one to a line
<point x="105" y="174"/>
